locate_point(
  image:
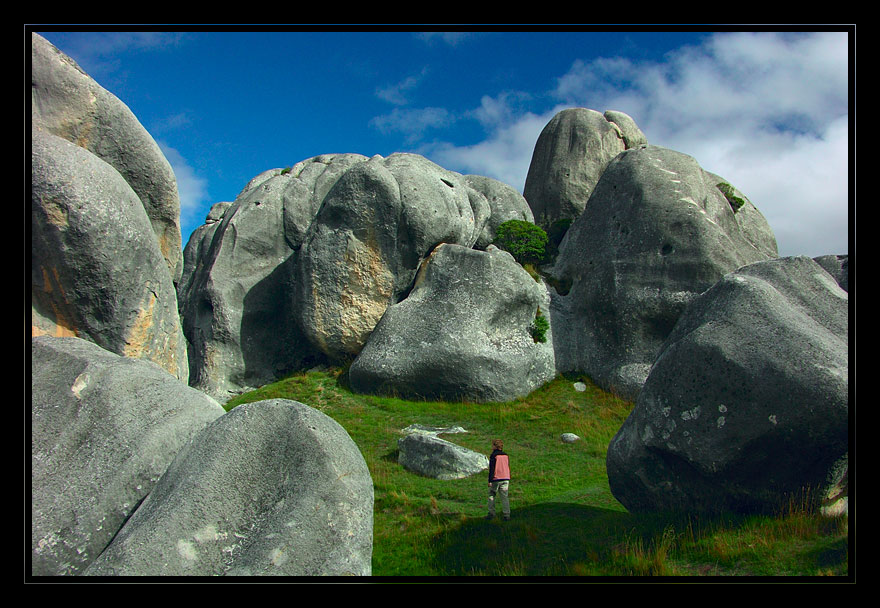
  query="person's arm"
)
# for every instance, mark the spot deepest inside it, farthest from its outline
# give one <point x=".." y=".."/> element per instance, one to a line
<point x="491" y="467"/>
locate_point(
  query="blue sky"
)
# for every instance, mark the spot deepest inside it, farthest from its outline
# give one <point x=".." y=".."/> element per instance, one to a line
<point x="768" y="111"/>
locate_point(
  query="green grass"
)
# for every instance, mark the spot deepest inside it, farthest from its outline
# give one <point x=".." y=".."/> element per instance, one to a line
<point x="565" y="521"/>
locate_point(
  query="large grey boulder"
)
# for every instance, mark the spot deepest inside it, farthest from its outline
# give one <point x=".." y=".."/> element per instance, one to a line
<point x="68" y="103"/>
<point x="463" y="333"/>
<point x="422" y="450"/>
<point x="569" y="158"/>
<point x="375" y="226"/>
<point x="657" y="232"/>
<point x="629" y="131"/>
<point x="237" y="299"/>
<point x="747" y="404"/>
<point x="270" y="488"/>
<point x="103" y="430"/>
<point x="96" y="268"/>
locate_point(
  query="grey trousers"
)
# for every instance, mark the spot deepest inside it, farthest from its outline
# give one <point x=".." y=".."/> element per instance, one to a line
<point x="499" y="488"/>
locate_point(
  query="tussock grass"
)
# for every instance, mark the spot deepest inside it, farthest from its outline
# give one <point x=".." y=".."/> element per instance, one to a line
<point x="565" y="521"/>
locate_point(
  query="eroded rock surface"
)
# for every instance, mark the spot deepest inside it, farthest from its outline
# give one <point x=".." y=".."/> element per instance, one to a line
<point x="270" y="488"/>
<point x="747" y="404"/>
<point x="103" y="430"/>
<point x="657" y="232"/>
<point x="463" y="333"/>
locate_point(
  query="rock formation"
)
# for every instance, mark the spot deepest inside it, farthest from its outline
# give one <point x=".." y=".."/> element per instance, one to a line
<point x="97" y="271"/>
<point x="270" y="488"/>
<point x="569" y="158"/>
<point x="463" y="333"/>
<point x="67" y="103"/>
<point x="657" y="232"/>
<point x="103" y="430"/>
<point x="302" y="265"/>
<point x="666" y="289"/>
<point x="747" y="403"/>
<point x="237" y="297"/>
<point x="374" y="228"/>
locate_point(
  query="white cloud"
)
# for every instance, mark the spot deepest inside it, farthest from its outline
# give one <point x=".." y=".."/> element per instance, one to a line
<point x="397" y="93"/>
<point x="505" y="155"/>
<point x="192" y="188"/>
<point x="767" y="111"/>
<point x="414" y="122"/>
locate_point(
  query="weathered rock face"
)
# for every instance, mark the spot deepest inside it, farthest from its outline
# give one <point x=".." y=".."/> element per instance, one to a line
<point x="104" y="429"/>
<point x="569" y="158"/>
<point x="838" y="267"/>
<point x="196" y="250"/>
<point x="270" y="488"/>
<point x="96" y="268"/>
<point x="237" y="299"/>
<point x="505" y="204"/>
<point x="462" y="333"/>
<point x="747" y="404"/>
<point x="629" y="131"/>
<point x="66" y="102"/>
<point x="422" y="451"/>
<point x="656" y="233"/>
<point x="375" y="226"/>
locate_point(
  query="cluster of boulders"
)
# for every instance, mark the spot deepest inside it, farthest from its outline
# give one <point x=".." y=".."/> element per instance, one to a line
<point x="663" y="285"/>
<point x="134" y="472"/>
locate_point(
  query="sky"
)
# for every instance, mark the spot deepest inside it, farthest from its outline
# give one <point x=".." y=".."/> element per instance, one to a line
<point x="767" y="110"/>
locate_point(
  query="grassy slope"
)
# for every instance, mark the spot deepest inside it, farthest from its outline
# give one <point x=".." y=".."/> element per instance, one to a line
<point x="565" y="522"/>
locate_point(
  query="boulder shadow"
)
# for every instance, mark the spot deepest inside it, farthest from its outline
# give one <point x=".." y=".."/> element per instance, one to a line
<point x="272" y="344"/>
<point x="541" y="540"/>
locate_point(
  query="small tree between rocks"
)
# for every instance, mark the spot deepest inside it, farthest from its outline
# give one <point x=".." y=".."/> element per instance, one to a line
<point x="525" y="241"/>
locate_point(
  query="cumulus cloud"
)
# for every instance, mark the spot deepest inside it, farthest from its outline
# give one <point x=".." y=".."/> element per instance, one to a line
<point x="767" y="111"/>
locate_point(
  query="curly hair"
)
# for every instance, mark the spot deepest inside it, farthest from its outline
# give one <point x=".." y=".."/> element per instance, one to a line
<point x="497" y="444"/>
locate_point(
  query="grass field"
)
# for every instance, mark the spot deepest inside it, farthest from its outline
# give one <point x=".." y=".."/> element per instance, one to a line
<point x="565" y="521"/>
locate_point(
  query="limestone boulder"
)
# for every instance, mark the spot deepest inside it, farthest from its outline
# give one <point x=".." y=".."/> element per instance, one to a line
<point x="569" y="158"/>
<point x="629" y="131"/>
<point x="657" y="232"/>
<point x="270" y="488"/>
<point x="363" y="249"/>
<point x="97" y="270"/>
<point x="237" y="298"/>
<point x="68" y="103"/>
<point x="465" y="332"/>
<point x="747" y="404"/>
<point x="103" y="430"/>
<point x="422" y="450"/>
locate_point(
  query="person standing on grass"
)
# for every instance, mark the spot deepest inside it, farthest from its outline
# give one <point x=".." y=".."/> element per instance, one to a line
<point x="499" y="479"/>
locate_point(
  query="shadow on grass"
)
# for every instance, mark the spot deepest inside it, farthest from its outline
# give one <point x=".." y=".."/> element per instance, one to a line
<point x="555" y="539"/>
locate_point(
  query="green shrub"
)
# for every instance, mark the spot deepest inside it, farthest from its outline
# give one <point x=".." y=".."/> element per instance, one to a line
<point x="525" y="241"/>
<point x="539" y="327"/>
<point x="729" y="193"/>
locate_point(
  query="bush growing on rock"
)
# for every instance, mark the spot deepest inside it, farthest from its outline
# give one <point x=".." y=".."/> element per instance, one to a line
<point x="539" y="327"/>
<point x="527" y="242"/>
